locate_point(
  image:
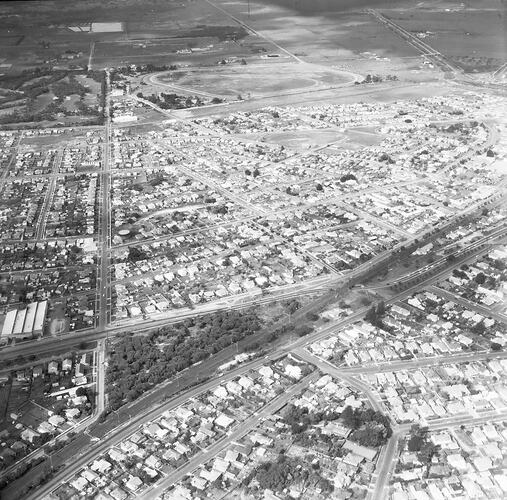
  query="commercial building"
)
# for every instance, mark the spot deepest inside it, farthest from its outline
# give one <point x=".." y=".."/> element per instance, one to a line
<point x="25" y="323"/>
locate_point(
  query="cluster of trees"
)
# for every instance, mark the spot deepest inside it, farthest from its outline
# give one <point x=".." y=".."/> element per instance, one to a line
<point x="288" y="472"/>
<point x="38" y="81"/>
<point x="300" y="418"/>
<point x="370" y="428"/>
<point x="71" y="86"/>
<point x="378" y="79"/>
<point x="385" y="157"/>
<point x="218" y="209"/>
<point x="292" y="305"/>
<point x="299" y="331"/>
<point x="375" y="314"/>
<point x="458" y="273"/>
<point x="84" y="109"/>
<point x="47" y="114"/>
<point x="419" y="444"/>
<point x="99" y="77"/>
<point x="174" y="101"/>
<point x="15" y="82"/>
<point x="254" y="174"/>
<point x="292" y="191"/>
<point x="136" y="254"/>
<point x="19" y="471"/>
<point x="140" y="362"/>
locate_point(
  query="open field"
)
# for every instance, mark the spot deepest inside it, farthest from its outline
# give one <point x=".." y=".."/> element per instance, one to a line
<point x="333" y="32"/>
<point x="302" y="139"/>
<point x="475" y="39"/>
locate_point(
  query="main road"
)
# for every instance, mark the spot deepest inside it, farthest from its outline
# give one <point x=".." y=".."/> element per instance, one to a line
<point x="384" y="469"/>
<point x="240" y="430"/>
<point x="103" y="288"/>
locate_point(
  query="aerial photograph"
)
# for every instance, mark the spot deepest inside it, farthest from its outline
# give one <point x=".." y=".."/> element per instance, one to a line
<point x="253" y="249"/>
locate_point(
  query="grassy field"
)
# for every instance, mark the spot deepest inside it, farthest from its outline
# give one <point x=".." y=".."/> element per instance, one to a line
<point x="320" y="30"/>
<point x="475" y="39"/>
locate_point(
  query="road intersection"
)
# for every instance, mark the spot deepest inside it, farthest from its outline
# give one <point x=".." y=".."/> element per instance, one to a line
<point x="348" y="375"/>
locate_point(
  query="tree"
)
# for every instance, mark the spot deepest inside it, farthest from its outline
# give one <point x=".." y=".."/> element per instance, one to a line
<point x="81" y="391"/>
<point x="478" y="328"/>
<point x="371" y="315"/>
<point x="480" y="278"/>
<point x="292" y="306"/>
<point x="415" y="442"/>
<point x="427" y="451"/>
<point x="136" y="254"/>
<point x="371" y="434"/>
<point x="349" y="418"/>
<point x="312" y="316"/>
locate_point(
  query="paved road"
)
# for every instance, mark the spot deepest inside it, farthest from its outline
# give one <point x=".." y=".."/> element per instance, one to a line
<point x="378" y="221"/>
<point x="14" y="152"/>
<point x="101" y="376"/>
<point x="297" y="98"/>
<point x="48" y="344"/>
<point x="500" y="70"/>
<point x="237" y="433"/>
<point x="416" y="363"/>
<point x="468" y="304"/>
<point x="140" y="407"/>
<point x="426" y="50"/>
<point x="103" y="289"/>
<point x="327" y="367"/>
<point x="48" y="198"/>
<point x="255" y="32"/>
<point x="467" y="420"/>
<point x="141" y="412"/>
<point x="385" y="467"/>
<point x="190" y="376"/>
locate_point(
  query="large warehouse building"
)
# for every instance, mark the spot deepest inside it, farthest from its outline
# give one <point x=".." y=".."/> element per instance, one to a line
<point x="25" y="323"/>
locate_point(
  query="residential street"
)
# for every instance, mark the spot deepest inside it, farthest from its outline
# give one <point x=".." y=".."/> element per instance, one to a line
<point x="240" y="430"/>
